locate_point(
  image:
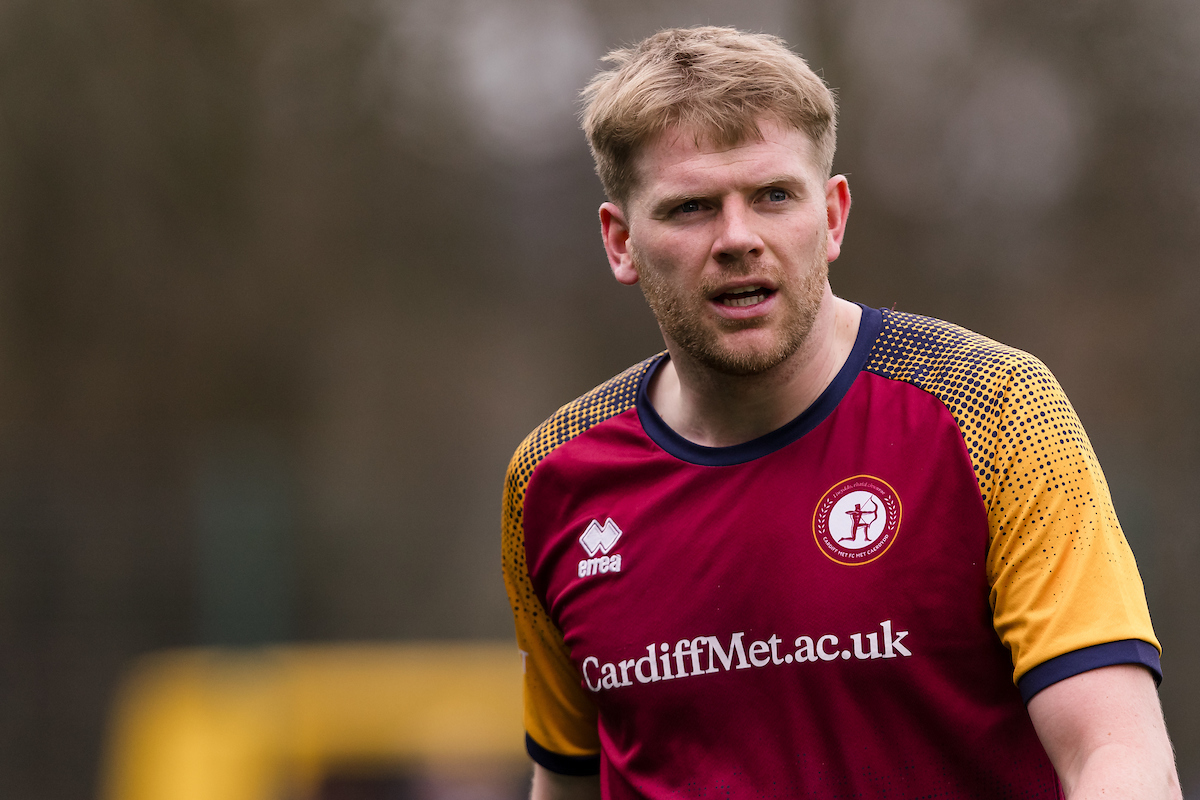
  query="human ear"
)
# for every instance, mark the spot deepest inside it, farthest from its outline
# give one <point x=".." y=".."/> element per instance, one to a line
<point x="837" y="211"/>
<point x="614" y="230"/>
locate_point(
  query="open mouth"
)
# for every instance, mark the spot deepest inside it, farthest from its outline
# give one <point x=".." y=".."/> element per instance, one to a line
<point x="745" y="296"/>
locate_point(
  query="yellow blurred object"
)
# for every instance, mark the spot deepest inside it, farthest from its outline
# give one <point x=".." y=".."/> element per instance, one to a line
<point x="267" y="724"/>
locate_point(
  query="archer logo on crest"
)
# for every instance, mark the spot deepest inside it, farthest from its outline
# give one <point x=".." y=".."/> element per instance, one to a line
<point x="599" y="538"/>
<point x="857" y="520"/>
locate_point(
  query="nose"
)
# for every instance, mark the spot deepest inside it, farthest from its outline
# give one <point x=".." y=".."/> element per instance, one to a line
<point x="737" y="236"/>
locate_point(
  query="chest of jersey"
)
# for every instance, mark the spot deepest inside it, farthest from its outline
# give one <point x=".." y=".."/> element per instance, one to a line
<point x="832" y="590"/>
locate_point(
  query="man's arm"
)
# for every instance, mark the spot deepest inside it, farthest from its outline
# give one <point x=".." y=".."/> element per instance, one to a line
<point x="549" y="785"/>
<point x="1103" y="730"/>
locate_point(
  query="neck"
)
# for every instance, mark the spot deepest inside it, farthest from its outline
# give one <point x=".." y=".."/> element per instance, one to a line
<point x="718" y="410"/>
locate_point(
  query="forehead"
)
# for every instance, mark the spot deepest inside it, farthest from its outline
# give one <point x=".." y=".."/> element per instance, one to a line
<point x="684" y="160"/>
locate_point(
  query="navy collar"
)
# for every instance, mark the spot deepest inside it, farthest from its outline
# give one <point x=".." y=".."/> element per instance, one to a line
<point x="868" y="330"/>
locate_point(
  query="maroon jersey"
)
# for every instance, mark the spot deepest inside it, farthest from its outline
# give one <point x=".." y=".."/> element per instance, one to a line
<point x="851" y="605"/>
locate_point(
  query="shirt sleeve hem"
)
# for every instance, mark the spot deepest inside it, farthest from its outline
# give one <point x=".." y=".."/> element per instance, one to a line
<point x="563" y="765"/>
<point x="1126" y="651"/>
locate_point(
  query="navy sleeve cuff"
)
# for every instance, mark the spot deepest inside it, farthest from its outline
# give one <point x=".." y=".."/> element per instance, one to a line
<point x="1126" y="651"/>
<point x="563" y="765"/>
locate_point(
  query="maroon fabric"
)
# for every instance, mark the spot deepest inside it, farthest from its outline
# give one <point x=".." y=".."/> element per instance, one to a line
<point x="923" y="706"/>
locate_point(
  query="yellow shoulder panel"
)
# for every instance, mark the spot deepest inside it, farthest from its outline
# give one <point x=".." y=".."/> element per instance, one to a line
<point x="1061" y="572"/>
<point x="559" y="715"/>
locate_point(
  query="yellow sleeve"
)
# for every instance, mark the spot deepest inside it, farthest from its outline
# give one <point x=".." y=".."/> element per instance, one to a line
<point x="559" y="716"/>
<point x="1061" y="572"/>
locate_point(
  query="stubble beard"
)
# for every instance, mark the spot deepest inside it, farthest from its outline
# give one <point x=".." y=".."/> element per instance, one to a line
<point x="688" y="322"/>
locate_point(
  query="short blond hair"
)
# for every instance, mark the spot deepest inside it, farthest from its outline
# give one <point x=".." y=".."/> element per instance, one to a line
<point x="716" y="82"/>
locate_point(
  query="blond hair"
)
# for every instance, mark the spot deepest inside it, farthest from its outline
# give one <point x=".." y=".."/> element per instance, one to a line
<point x="715" y="82"/>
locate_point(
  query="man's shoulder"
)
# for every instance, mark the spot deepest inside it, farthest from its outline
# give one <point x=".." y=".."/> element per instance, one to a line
<point x="614" y="396"/>
<point x="947" y="360"/>
<point x="996" y="394"/>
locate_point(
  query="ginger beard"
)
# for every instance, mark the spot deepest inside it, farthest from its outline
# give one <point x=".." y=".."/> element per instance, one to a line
<point x="688" y="321"/>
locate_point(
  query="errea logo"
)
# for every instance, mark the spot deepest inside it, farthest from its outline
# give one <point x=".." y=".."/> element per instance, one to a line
<point x="599" y="538"/>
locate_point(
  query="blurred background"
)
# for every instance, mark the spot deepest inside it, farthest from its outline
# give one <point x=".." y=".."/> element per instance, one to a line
<point x="283" y="284"/>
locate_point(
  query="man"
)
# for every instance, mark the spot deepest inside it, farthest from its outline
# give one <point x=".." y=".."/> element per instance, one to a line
<point x="696" y="612"/>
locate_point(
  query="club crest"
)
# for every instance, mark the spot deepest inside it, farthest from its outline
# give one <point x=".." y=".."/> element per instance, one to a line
<point x="857" y="520"/>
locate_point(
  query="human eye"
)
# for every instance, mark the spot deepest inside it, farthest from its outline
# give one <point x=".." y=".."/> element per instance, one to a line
<point x="776" y="195"/>
<point x="688" y="207"/>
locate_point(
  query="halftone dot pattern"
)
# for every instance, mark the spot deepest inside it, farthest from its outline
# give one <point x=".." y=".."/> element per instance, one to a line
<point x="558" y="714"/>
<point x="1062" y="575"/>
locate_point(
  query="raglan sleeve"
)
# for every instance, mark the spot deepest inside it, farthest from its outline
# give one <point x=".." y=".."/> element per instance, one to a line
<point x="560" y="719"/>
<point x="1066" y="594"/>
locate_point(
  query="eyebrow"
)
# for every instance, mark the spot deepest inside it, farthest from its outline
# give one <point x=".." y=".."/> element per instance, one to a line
<point x="788" y="179"/>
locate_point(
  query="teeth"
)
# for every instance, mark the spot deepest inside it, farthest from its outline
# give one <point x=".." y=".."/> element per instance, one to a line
<point x="753" y="299"/>
<point x="745" y="296"/>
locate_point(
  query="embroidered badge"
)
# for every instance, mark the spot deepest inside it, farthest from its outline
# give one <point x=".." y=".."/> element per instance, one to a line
<point x="597" y="538"/>
<point x="857" y="520"/>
